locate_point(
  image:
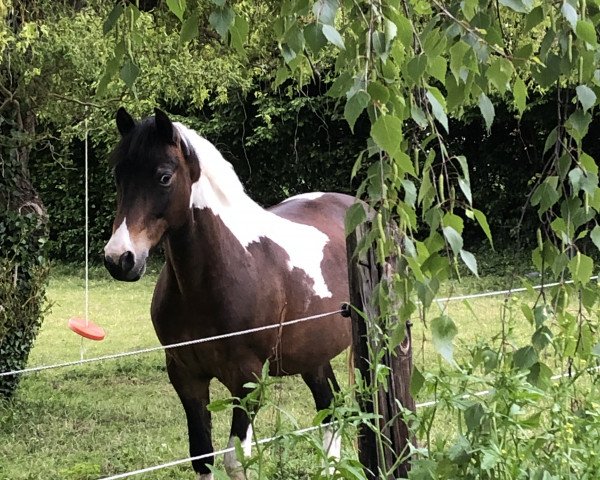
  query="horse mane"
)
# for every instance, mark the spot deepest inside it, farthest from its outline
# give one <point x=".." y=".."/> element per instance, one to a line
<point x="214" y="168"/>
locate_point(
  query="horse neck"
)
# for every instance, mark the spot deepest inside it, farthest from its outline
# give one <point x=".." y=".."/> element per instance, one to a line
<point x="203" y="252"/>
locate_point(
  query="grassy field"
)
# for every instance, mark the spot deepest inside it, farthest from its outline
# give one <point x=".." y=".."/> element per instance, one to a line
<point x="115" y="416"/>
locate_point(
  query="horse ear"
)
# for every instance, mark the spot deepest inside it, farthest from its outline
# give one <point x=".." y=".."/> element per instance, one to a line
<point x="125" y="122"/>
<point x="164" y="126"/>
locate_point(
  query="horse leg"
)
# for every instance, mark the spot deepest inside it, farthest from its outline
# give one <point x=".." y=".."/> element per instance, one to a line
<point x="241" y="425"/>
<point x="194" y="396"/>
<point x="322" y="384"/>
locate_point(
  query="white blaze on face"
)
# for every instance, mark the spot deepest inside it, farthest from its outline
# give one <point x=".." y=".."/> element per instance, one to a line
<point x="220" y="190"/>
<point x="232" y="464"/>
<point x="119" y="243"/>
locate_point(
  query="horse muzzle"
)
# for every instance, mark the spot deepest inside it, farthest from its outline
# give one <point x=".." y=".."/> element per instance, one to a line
<point x="125" y="267"/>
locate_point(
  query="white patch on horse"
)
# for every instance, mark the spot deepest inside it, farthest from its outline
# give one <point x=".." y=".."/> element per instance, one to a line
<point x="119" y="243"/>
<point x="305" y="196"/>
<point x="220" y="190"/>
<point x="205" y="476"/>
<point x="232" y="464"/>
<point x="332" y="443"/>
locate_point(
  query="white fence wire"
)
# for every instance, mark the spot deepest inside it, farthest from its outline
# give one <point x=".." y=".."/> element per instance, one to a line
<point x="169" y="346"/>
<point x="258" y="329"/>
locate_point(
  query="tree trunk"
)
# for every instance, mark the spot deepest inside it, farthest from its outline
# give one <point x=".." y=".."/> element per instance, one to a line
<point x="23" y="232"/>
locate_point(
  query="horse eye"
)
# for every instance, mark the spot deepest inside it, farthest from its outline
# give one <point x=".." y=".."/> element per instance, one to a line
<point x="165" y="179"/>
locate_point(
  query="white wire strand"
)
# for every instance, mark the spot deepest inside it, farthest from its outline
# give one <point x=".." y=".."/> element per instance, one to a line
<point x="152" y="349"/>
<point x="86" y="301"/>
<point x="504" y="292"/>
<point x="87" y="226"/>
<point x="213" y="454"/>
<point x="167" y="347"/>
<point x="483" y="393"/>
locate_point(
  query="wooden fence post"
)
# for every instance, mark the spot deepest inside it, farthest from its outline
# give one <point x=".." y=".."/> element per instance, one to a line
<point x="364" y="276"/>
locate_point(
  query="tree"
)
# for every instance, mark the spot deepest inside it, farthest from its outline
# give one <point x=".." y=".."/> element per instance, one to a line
<point x="411" y="67"/>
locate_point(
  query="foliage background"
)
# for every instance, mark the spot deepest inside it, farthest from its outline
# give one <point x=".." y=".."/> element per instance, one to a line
<point x="281" y="141"/>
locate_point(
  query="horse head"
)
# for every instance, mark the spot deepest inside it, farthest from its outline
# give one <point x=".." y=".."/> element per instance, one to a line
<point x="154" y="171"/>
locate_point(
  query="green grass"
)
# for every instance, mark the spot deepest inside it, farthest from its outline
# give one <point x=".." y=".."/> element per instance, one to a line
<point x="119" y="415"/>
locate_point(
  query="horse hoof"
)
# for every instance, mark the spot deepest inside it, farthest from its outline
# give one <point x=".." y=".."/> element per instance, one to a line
<point x="237" y="475"/>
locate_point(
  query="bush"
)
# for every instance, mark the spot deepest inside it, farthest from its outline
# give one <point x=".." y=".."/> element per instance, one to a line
<point x="23" y="277"/>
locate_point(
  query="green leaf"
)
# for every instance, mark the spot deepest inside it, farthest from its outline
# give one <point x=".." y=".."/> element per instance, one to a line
<point x="469" y="8"/>
<point x="355" y="106"/>
<point x="221" y="19"/>
<point x="357" y="165"/>
<point x="410" y="192"/>
<point x="405" y="30"/>
<point x="585" y="31"/>
<point x="340" y="86"/>
<point x="416" y="67"/>
<point x="443" y="331"/>
<point x="437" y="68"/>
<point x="325" y="11"/>
<point x="534" y="18"/>
<point x="379" y="45"/>
<point x="418" y="115"/>
<point x="525" y="357"/>
<point x="473" y="416"/>
<point x="129" y="73"/>
<point x="577" y="124"/>
<point x="239" y="33"/>
<point x="586" y="96"/>
<point x="112" y="18"/>
<point x="487" y="110"/>
<point x="417" y="380"/>
<point x="387" y="133"/>
<point x="470" y="261"/>
<point x="379" y="93"/>
<point x="189" y="29"/>
<point x="570" y="14"/>
<point x="220" y="405"/>
<point x="551" y="140"/>
<point x="483" y="223"/>
<point x="595" y="236"/>
<point x="581" y="267"/>
<point x="457" y="53"/>
<point x="545" y="196"/>
<point x="333" y="36"/>
<point x="519" y="6"/>
<point x="541" y="338"/>
<point x="177" y="7"/>
<point x="294" y="37"/>
<point x="499" y="74"/>
<point x="540" y="376"/>
<point x="520" y="95"/>
<point x="438" y="106"/>
<point x="355" y="215"/>
<point x="313" y="34"/>
<point x="588" y="164"/>
<point x="465" y="187"/>
<point x="454" y="239"/>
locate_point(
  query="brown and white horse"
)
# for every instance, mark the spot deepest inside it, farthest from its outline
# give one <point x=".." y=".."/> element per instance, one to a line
<point x="230" y="265"/>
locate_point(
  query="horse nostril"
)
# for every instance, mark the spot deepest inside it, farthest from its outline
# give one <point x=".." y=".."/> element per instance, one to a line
<point x="127" y="261"/>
